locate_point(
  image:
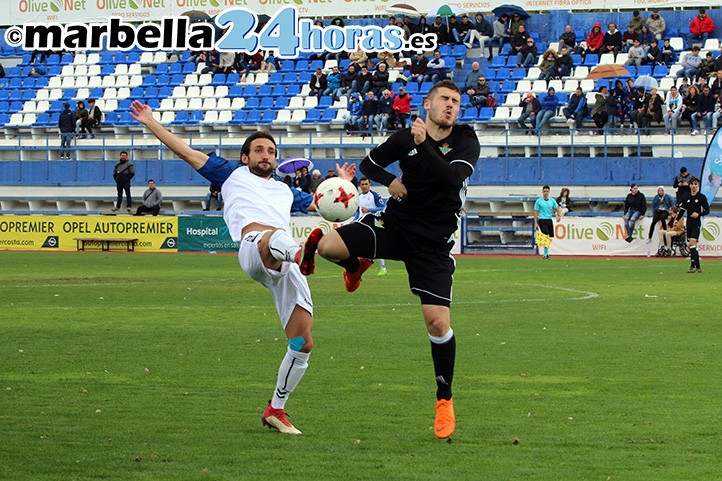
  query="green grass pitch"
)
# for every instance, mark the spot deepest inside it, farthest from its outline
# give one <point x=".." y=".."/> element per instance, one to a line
<point x="157" y="367"/>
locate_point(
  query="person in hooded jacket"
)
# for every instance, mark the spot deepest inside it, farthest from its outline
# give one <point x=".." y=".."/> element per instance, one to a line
<point x="66" y="124"/>
<point x="595" y="40"/>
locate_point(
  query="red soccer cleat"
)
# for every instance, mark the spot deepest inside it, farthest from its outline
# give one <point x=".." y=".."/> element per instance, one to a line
<point x="352" y="281"/>
<point x="308" y="260"/>
<point x="276" y="419"/>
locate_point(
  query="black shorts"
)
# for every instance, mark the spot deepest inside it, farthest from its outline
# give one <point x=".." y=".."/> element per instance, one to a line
<point x="694" y="228"/>
<point x="430" y="267"/>
<point x="546" y="226"/>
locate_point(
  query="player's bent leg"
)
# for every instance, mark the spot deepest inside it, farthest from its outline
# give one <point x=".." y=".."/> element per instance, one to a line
<point x="333" y="248"/>
<point x="291" y="370"/>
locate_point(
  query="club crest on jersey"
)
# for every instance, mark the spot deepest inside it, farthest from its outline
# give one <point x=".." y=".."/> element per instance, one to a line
<point x="445" y="149"/>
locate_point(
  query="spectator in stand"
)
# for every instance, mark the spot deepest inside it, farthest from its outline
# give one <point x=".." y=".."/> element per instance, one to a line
<point x="66" y="124"/>
<point x="640" y="109"/>
<point x="635" y="56"/>
<point x="214" y="193"/>
<point x="306" y="183"/>
<point x="690" y="105"/>
<point x="653" y="56"/>
<point x="599" y="111"/>
<point x="472" y="78"/>
<point x="706" y="66"/>
<point x="462" y="29"/>
<point x="316" y="180"/>
<point x="681" y="183"/>
<point x="152" y="199"/>
<point x="700" y="28"/>
<point x="674" y="109"/>
<point x="653" y="109"/>
<point x="612" y="41"/>
<point x="380" y="79"/>
<point x="408" y="23"/>
<point x="635" y="206"/>
<point x="661" y="205"/>
<point x="628" y="39"/>
<point x="705" y="108"/>
<point x="547" y="65"/>
<point x="387" y="58"/>
<point x="481" y="31"/>
<point x="716" y="85"/>
<point x="384" y="111"/>
<point x="212" y="59"/>
<point x="568" y="39"/>
<point x="419" y="65"/>
<point x="333" y="82"/>
<point x="636" y="21"/>
<point x="354" y="112"/>
<point x="402" y="107"/>
<point x="81" y="119"/>
<point x="656" y="24"/>
<point x="435" y="68"/>
<point x="645" y="38"/>
<point x="37" y="71"/>
<point x="576" y="110"/>
<point x="442" y="33"/>
<point x="690" y="64"/>
<point x="348" y="79"/>
<point x="318" y="83"/>
<point x="549" y="104"/>
<point x="612" y="105"/>
<point x="405" y="28"/>
<point x="563" y="65"/>
<point x="516" y="22"/>
<point x="368" y="112"/>
<point x="564" y="201"/>
<point x="518" y="42"/>
<point x="362" y="84"/>
<point x="95" y="116"/>
<point x="675" y="227"/>
<point x="331" y="174"/>
<point x="422" y="27"/>
<point x="669" y="56"/>
<point x="595" y="41"/>
<point x="500" y="36"/>
<point x="123" y="173"/>
<point x="478" y="94"/>
<point x="528" y="55"/>
<point x="359" y="58"/>
<point x="630" y="96"/>
<point x="270" y="62"/>
<point x="246" y="64"/>
<point x="701" y="83"/>
<point x="453" y="30"/>
<point x="530" y="108"/>
<point x="683" y="87"/>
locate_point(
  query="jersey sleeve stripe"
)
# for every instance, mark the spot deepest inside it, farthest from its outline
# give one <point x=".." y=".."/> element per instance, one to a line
<point x="372" y="161"/>
<point x="464" y="161"/>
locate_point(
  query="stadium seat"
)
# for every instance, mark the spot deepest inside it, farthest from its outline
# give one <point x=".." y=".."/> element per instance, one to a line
<point x="283" y="117"/>
<point x="501" y="114"/>
<point x="485" y="114"/>
<point x="209" y="104"/>
<point x="180" y="105"/>
<point x="266" y="103"/>
<point x="195" y="103"/>
<point x="181" y="118"/>
<point x="252" y="103"/>
<point x="211" y="117"/>
<point x="224" y="116"/>
<point x="193" y="91"/>
<point x="239" y="117"/>
<point x="591" y="60"/>
<point x="469" y="114"/>
<point x="238" y="103"/>
<point x="512" y="100"/>
<point x="310" y="102"/>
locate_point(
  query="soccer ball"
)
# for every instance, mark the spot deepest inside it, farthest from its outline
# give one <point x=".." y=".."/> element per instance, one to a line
<point x="336" y="199"/>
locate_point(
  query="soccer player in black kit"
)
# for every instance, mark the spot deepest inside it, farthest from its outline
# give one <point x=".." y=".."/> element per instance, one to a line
<point x="695" y="206"/>
<point x="436" y="158"/>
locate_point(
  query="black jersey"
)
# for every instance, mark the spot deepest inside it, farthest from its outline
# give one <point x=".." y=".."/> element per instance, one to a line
<point x="435" y="174"/>
<point x="695" y="203"/>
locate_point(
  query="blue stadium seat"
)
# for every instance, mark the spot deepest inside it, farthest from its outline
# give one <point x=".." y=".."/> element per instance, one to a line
<point x="41" y="82"/>
<point x="162" y="68"/>
<point x="108" y="69"/>
<point x="304" y="77"/>
<point x="188" y="67"/>
<point x="4" y="106"/>
<point x="660" y="71"/>
<point x="486" y="113"/>
<point x="164" y="92"/>
<point x="645" y="70"/>
<point x="15" y="83"/>
<point x="469" y="114"/>
<point x="281" y="102"/>
<point x="4" y="119"/>
<point x="252" y="103"/>
<point x="445" y="50"/>
<point x="343" y="64"/>
<point x="124" y="118"/>
<point x="502" y="74"/>
<point x="70" y="94"/>
<point x="290" y="77"/>
<point x="43" y="120"/>
<point x="498" y="61"/>
<point x="219" y="79"/>
<point x="137" y="93"/>
<point x="124" y="105"/>
<point x="176" y="79"/>
<point x="576" y="59"/>
<point x="275" y="78"/>
<point x="518" y="73"/>
<point x="249" y="91"/>
<point x="235" y="91"/>
<point x="233" y="79"/>
<point x="266" y="103"/>
<point x="264" y="90"/>
<point x="314" y="64"/>
<point x="163" y="80"/>
<point x="96" y="93"/>
<point x="328" y="116"/>
<point x="133" y="57"/>
<point x="239" y="117"/>
<point x="15" y="94"/>
<point x="54" y="71"/>
<point x="425" y="87"/>
<point x="293" y="90"/>
<point x="173" y="68"/>
<point x="196" y="116"/>
<point x="56" y="106"/>
<point x="312" y="116"/>
<point x="148" y="80"/>
<point x="152" y="103"/>
<point x="325" y="102"/>
<point x="279" y="90"/>
<point x="15" y="106"/>
<point x="268" y="116"/>
<point x="180" y="118"/>
<point x="28" y="95"/>
<point x="458" y="51"/>
<point x="411" y="88"/>
<point x="301" y="65"/>
<point x="254" y="117"/>
<point x="508" y="87"/>
<point x="591" y="60"/>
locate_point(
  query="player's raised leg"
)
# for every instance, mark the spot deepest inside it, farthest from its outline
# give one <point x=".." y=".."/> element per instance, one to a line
<point x="291" y="371"/>
<point x="443" y="353"/>
<point x="333" y="248"/>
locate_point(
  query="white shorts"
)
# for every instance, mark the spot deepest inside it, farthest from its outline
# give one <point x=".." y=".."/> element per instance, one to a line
<point x="288" y="286"/>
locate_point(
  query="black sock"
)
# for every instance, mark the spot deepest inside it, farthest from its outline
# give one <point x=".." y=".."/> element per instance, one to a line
<point x="695" y="257"/>
<point x="351" y="264"/>
<point x="444" y="356"/>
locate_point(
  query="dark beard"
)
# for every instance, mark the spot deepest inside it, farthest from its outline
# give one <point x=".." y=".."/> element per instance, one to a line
<point x="260" y="171"/>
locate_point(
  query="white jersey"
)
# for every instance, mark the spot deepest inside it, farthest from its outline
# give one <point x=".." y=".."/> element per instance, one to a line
<point x="248" y="198"/>
<point x="366" y="200"/>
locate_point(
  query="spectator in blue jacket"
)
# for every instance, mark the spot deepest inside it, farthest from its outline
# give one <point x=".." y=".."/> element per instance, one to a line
<point x="368" y="111"/>
<point x="333" y="81"/>
<point x="66" y="124"/>
<point x="354" y="112"/>
<point x="661" y="204"/>
<point x="576" y="110"/>
<point x="384" y="111"/>
<point x="549" y="105"/>
<point x="668" y="54"/>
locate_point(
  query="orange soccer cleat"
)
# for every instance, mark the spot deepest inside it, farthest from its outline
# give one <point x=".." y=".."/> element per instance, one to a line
<point x="445" y="421"/>
<point x="352" y="281"/>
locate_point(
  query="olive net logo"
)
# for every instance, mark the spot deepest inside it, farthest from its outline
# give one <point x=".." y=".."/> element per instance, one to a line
<point x="605" y="231"/>
<point x="711" y="231"/>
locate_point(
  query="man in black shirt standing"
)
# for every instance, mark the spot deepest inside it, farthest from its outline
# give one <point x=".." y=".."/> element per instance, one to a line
<point x="437" y="157"/>
<point x="681" y="183"/>
<point x="695" y="206"/>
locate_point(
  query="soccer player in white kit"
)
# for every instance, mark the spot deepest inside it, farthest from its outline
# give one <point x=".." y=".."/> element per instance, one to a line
<point x="257" y="212"/>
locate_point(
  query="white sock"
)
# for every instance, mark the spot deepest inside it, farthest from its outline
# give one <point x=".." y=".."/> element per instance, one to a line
<point x="382" y="264"/>
<point x="283" y="247"/>
<point x="290" y="372"/>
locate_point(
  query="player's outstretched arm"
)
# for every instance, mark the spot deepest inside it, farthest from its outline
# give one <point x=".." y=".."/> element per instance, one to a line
<point x="144" y="114"/>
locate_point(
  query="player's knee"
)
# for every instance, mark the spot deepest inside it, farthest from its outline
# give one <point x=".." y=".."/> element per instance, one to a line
<point x="437" y="326"/>
<point x="301" y="344"/>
